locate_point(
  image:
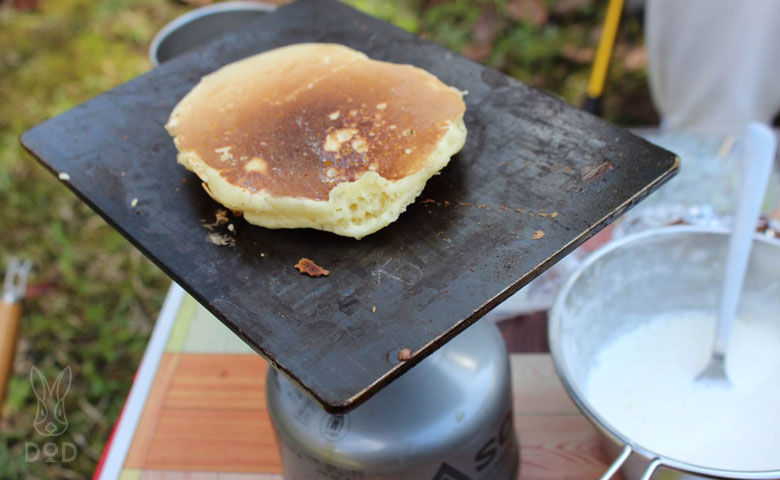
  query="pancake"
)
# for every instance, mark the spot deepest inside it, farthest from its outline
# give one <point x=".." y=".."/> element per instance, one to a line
<point x="318" y="136"/>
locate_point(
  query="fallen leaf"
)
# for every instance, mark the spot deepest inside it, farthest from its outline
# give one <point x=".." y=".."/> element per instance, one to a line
<point x="578" y="54"/>
<point x="478" y="53"/>
<point x="635" y="59"/>
<point x="486" y="28"/>
<point x="532" y="11"/>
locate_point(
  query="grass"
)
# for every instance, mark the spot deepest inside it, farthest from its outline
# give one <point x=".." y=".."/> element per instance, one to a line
<point x="94" y="298"/>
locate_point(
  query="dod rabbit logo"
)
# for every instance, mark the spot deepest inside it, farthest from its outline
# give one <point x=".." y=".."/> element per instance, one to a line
<point x="50" y="419"/>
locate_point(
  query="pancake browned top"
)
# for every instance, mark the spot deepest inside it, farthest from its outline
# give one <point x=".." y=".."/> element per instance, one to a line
<point x="299" y="120"/>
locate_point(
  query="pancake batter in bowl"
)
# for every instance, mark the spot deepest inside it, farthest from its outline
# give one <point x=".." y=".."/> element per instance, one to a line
<point x="642" y="383"/>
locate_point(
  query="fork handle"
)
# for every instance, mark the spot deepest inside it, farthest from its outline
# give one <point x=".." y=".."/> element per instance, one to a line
<point x="10" y="313"/>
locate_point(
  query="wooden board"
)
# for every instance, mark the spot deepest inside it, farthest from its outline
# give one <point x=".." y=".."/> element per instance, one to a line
<point x="446" y="262"/>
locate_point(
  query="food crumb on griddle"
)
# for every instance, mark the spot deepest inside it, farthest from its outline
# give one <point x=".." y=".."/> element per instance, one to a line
<point x="404" y="354"/>
<point x="310" y="268"/>
<point x="537" y="235"/>
<point x="220" y="217"/>
<point x="222" y="240"/>
<point x="134" y="202"/>
<point x="63" y="176"/>
<point x="373" y="309"/>
<point x="231" y="227"/>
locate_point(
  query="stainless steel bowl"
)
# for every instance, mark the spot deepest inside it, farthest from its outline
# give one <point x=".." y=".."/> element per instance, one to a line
<point x="202" y="25"/>
<point x="631" y="281"/>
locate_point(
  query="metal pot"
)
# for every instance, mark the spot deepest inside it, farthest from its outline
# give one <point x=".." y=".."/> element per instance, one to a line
<point x="202" y="25"/>
<point x="633" y="280"/>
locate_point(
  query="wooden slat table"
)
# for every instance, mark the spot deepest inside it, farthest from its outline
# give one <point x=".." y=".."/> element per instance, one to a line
<point x="204" y="414"/>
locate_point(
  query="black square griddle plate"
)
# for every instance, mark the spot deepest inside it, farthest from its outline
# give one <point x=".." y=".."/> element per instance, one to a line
<point x="531" y="164"/>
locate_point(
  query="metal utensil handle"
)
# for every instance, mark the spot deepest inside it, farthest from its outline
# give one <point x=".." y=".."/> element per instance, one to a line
<point x="758" y="158"/>
<point x="621" y="459"/>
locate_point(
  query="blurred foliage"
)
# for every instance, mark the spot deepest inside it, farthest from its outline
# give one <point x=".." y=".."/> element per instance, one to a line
<point x="93" y="298"/>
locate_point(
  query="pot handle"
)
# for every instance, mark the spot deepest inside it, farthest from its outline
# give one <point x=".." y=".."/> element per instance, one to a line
<point x="621" y="459"/>
<point x="651" y="469"/>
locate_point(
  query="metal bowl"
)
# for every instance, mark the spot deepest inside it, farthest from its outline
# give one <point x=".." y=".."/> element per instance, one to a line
<point x="202" y="25"/>
<point x="630" y="281"/>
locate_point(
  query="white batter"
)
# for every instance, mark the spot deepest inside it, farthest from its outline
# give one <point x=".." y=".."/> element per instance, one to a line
<point x="643" y="385"/>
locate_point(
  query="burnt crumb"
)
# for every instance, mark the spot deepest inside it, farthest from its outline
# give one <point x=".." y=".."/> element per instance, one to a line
<point x="220" y="217"/>
<point x="427" y="201"/>
<point x="404" y="354"/>
<point x="310" y="268"/>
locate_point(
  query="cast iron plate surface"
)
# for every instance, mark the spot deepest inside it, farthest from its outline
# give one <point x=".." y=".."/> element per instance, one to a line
<point x="462" y="248"/>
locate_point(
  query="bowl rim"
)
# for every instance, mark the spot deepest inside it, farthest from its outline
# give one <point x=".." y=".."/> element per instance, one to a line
<point x="579" y="398"/>
<point x="200" y="12"/>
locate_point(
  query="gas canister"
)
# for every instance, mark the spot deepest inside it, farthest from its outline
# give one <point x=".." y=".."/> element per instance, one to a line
<point x="448" y="418"/>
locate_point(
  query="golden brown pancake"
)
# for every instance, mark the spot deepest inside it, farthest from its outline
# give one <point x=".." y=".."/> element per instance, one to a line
<point x="318" y="135"/>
